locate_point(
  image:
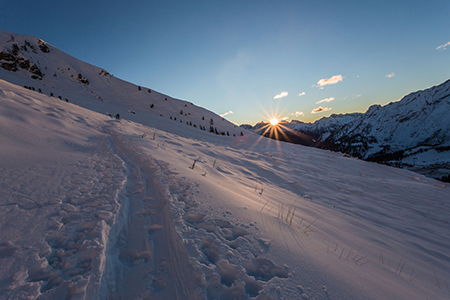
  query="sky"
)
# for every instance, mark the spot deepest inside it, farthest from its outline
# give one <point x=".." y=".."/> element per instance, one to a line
<point x="251" y="61"/>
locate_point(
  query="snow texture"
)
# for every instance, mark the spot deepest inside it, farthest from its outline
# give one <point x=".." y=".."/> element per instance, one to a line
<point x="148" y="207"/>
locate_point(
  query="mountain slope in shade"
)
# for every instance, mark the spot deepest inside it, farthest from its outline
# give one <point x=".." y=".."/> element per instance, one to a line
<point x="325" y="125"/>
<point x="29" y="61"/>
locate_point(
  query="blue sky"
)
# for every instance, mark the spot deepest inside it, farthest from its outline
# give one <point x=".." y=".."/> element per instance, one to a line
<point x="235" y="57"/>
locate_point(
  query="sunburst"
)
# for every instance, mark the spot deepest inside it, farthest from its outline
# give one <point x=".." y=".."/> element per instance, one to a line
<point x="274" y="128"/>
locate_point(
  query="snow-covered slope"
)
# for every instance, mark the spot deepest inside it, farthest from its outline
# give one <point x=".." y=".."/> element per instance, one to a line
<point x="402" y="130"/>
<point x="149" y="208"/>
<point x="325" y="125"/>
<point x="29" y="61"/>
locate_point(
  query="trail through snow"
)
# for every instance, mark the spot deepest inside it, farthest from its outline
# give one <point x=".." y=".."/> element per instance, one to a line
<point x="145" y="254"/>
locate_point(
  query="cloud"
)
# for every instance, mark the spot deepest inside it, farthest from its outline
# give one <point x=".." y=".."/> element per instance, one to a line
<point x="333" y="80"/>
<point x="390" y="75"/>
<point x="299" y="113"/>
<point x="285" y="118"/>
<point x="302" y="94"/>
<point x="320" y="109"/>
<point x="443" y="46"/>
<point x="282" y="95"/>
<point x="325" y="100"/>
<point x="227" y="113"/>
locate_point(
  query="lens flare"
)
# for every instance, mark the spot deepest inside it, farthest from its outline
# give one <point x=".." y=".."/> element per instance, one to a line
<point x="274" y="122"/>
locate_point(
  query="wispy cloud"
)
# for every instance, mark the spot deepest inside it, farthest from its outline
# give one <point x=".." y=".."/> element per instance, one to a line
<point x="281" y="95"/>
<point x="327" y="81"/>
<point x="320" y="109"/>
<point x="390" y="75"/>
<point x="325" y="100"/>
<point x="299" y="113"/>
<point x="227" y="113"/>
<point x="302" y="94"/>
<point x="443" y="46"/>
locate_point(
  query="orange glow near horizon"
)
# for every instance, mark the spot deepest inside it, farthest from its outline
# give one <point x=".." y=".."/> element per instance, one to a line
<point x="273" y="129"/>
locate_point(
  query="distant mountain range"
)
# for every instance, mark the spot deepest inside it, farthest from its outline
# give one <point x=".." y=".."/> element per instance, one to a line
<point x="412" y="133"/>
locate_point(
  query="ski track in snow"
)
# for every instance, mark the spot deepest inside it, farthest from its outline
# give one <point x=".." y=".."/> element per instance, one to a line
<point x="96" y="217"/>
<point x="148" y="259"/>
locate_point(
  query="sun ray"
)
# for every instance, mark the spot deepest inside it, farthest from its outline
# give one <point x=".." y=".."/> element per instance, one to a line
<point x="272" y="128"/>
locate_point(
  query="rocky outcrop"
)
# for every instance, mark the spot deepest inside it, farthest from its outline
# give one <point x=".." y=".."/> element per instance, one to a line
<point x="14" y="59"/>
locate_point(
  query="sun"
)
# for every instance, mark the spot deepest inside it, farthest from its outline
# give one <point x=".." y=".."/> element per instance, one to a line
<point x="273" y="122"/>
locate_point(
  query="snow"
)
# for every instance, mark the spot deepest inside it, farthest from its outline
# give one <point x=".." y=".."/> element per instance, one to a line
<point x="146" y="207"/>
<point x="401" y="130"/>
<point x="417" y="120"/>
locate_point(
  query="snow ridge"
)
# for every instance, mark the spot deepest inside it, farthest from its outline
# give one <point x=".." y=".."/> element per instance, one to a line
<point x="64" y="77"/>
